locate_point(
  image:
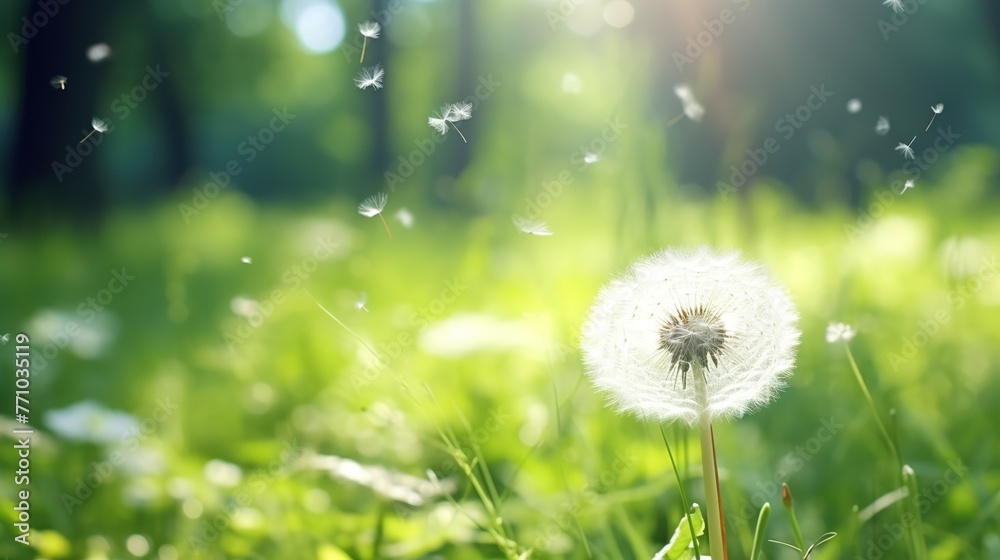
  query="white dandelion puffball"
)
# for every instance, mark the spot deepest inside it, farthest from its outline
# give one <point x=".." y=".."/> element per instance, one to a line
<point x="680" y="313"/>
<point x="836" y="332"/>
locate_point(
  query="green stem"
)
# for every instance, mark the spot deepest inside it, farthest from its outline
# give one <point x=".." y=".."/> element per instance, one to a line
<point x="685" y="504"/>
<point x="916" y="528"/>
<point x="796" y="531"/>
<point x="758" y="535"/>
<point x="710" y="473"/>
<point x="871" y="402"/>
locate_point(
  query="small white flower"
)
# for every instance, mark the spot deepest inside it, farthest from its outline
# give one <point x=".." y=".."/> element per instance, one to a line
<point x="937" y="109"/>
<point x="697" y="312"/>
<point x="909" y="184"/>
<point x="359" y="304"/>
<point x="98" y="125"/>
<point x="531" y="227"/>
<point x="882" y="126"/>
<point x="404" y="217"/>
<point x="59" y="82"/>
<point x="905" y="149"/>
<point x="246" y="260"/>
<point x="854" y="106"/>
<point x="370" y="77"/>
<point x="836" y="332"/>
<point x="692" y="109"/>
<point x="369" y="30"/>
<point x="373" y="206"/>
<point x="896" y="5"/>
<point x="449" y="115"/>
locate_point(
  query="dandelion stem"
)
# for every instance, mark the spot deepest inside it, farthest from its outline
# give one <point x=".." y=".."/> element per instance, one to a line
<point x="871" y="402"/>
<point x="385" y="224"/>
<point x="363" y="45"/>
<point x="458" y="131"/>
<point x="675" y="120"/>
<point x="710" y="471"/>
<point x="934" y="116"/>
<point x="88" y="136"/>
<point x="685" y="504"/>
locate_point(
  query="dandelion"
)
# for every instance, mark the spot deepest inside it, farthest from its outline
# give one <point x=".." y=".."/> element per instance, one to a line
<point x="714" y="319"/>
<point x="370" y="30"/>
<point x="98" y="125"/>
<point x="896" y="5"/>
<point x="373" y="206"/>
<point x="937" y="109"/>
<point x="404" y="217"/>
<point x="59" y="82"/>
<point x="370" y="77"/>
<point x="839" y="331"/>
<point x="449" y="115"/>
<point x="359" y="304"/>
<point x="905" y="149"/>
<point x="909" y="184"/>
<point x="854" y="106"/>
<point x="531" y="227"/>
<point x="692" y="109"/>
<point x="882" y="126"/>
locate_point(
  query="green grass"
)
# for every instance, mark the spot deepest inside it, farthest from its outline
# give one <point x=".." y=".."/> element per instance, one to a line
<point x="552" y="464"/>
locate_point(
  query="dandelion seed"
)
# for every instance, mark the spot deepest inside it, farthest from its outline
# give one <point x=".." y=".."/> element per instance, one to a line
<point x="370" y="77"/>
<point x="404" y="217"/>
<point x="692" y="109"/>
<point x="836" y="332"/>
<point x="905" y="149"/>
<point x="882" y="126"/>
<point x="531" y="227"/>
<point x="590" y="158"/>
<point x="5" y="338"/>
<point x="98" y="125"/>
<point x="896" y="5"/>
<point x="359" y="304"/>
<point x="373" y="206"/>
<point x="98" y="52"/>
<point x="59" y="82"/>
<point x="449" y="115"/>
<point x="909" y="184"/>
<point x="937" y="109"/>
<point x="246" y="260"/>
<point x="854" y="106"/>
<point x="370" y="30"/>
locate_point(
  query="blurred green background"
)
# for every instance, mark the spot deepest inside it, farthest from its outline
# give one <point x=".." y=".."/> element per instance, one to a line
<point x="192" y="399"/>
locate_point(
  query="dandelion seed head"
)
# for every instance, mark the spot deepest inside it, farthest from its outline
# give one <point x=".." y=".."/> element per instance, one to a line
<point x="99" y="125"/>
<point x="906" y="150"/>
<point x="369" y="29"/>
<point x="909" y="184"/>
<point x="458" y="111"/>
<point x="896" y="5"/>
<point x="835" y="332"/>
<point x="58" y="82"/>
<point x="373" y="205"/>
<point x="938" y="109"/>
<point x="681" y="312"/>
<point x="439" y="124"/>
<point x="882" y="126"/>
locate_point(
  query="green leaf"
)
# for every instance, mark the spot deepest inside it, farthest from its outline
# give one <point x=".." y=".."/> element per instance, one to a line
<point x="758" y="537"/>
<point x="680" y="544"/>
